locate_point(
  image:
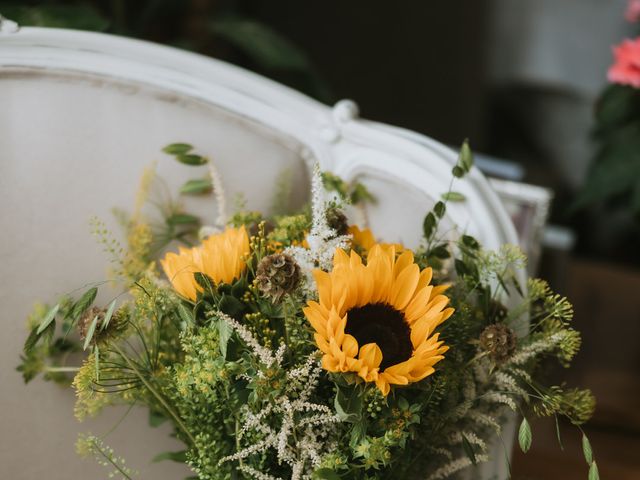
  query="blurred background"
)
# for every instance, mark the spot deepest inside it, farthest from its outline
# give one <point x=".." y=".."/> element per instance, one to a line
<point x="525" y="81"/>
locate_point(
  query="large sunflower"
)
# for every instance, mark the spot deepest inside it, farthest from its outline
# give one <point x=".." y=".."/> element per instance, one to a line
<point x="222" y="257"/>
<point x="378" y="319"/>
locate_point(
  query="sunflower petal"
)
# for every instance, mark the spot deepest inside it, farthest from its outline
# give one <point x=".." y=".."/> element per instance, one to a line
<point x="371" y="355"/>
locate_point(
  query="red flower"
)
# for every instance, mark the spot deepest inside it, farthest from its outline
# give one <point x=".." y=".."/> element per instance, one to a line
<point x="633" y="11"/>
<point x="626" y="69"/>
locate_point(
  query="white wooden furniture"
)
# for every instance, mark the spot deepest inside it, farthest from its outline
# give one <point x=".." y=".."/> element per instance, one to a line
<point x="81" y="115"/>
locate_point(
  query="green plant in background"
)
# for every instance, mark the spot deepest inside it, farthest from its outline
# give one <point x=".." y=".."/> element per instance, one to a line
<point x="219" y="29"/>
<point x="614" y="175"/>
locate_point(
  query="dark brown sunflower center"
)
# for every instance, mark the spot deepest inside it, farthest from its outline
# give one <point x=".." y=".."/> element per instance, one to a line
<point x="385" y="326"/>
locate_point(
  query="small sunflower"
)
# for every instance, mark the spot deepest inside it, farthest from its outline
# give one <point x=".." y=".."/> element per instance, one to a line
<point x="364" y="239"/>
<point x="222" y="257"/>
<point x="378" y="319"/>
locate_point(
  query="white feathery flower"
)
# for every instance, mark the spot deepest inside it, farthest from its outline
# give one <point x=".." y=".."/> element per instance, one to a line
<point x="530" y="351"/>
<point x="485" y="420"/>
<point x="323" y="240"/>
<point x="455" y="466"/>
<point x="218" y="192"/>
<point x="256" y="474"/>
<point x="263" y="354"/>
<point x="291" y="425"/>
<point x="494" y="397"/>
<point x="504" y="381"/>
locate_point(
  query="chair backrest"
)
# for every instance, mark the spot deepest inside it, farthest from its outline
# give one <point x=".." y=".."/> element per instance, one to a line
<point x="81" y="115"/>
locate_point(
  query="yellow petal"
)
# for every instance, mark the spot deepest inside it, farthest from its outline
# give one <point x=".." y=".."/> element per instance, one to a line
<point x="350" y="346"/>
<point x="316" y="319"/>
<point x="370" y="355"/>
<point x="383" y="385"/>
<point x="404" y="287"/>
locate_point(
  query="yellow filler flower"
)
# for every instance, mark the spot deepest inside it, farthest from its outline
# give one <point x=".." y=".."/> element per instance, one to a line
<point x="378" y="319"/>
<point x="222" y="257"/>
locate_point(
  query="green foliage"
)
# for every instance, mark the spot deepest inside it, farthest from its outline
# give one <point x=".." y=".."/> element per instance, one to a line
<point x="524" y="436"/>
<point x="353" y="193"/>
<point x="586" y="449"/>
<point x="614" y="170"/>
<point x="197" y="186"/>
<point x="262" y="44"/>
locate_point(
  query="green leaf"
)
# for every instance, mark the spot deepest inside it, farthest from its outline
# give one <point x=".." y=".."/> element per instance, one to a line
<point x="453" y="197"/>
<point x="429" y="225"/>
<point x="107" y="316"/>
<point x="358" y="434"/>
<point x="466" y="156"/>
<point x="617" y="104"/>
<point x="177" y="149"/>
<point x="224" y="331"/>
<point x="457" y="172"/>
<point x="559" y="437"/>
<point x="593" y="471"/>
<point x="440" y="251"/>
<point x="238" y="288"/>
<point x="470" y="242"/>
<point x="198" y="186"/>
<point x="191" y="159"/>
<point x="468" y="450"/>
<point x="186" y="315"/>
<point x="180" y="457"/>
<point x="333" y="183"/>
<point x="90" y="332"/>
<point x="156" y="418"/>
<point x="360" y="194"/>
<point x="48" y="318"/>
<point x="204" y="281"/>
<point x="182" y="219"/>
<point x="461" y="267"/>
<point x="524" y="436"/>
<point x="586" y="449"/>
<point x="31" y="340"/>
<point x="325" y="474"/>
<point x="230" y="305"/>
<point x="262" y="44"/>
<point x="84" y="303"/>
<point x="348" y="408"/>
<point x="517" y="286"/>
<point x="439" y="209"/>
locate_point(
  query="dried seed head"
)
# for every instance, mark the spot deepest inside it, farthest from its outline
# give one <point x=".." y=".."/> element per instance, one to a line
<point x="499" y="340"/>
<point x="116" y="325"/>
<point x="337" y="221"/>
<point x="87" y="318"/>
<point x="277" y="275"/>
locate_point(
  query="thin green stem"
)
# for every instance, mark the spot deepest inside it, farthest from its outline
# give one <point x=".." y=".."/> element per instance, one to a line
<point x="62" y="369"/>
<point x="156" y="394"/>
<point x="119" y="422"/>
<point x="110" y="460"/>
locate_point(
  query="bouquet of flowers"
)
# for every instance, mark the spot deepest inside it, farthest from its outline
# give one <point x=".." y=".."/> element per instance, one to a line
<point x="297" y="346"/>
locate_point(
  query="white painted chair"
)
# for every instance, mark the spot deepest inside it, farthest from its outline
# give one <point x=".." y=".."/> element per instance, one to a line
<point x="81" y="115"/>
